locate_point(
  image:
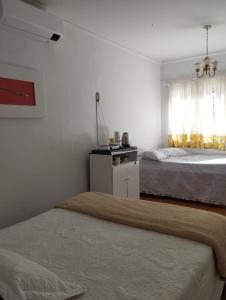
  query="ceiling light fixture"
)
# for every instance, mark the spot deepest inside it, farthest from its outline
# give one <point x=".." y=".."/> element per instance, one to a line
<point x="208" y="67"/>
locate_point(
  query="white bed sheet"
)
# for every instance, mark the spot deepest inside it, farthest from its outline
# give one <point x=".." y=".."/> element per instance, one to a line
<point x="114" y="261"/>
<point x="197" y="177"/>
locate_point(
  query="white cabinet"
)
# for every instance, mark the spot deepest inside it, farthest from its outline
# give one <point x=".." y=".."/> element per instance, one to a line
<point x="119" y="180"/>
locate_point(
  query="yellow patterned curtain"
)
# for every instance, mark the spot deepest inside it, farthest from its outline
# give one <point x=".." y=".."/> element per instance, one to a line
<point x="197" y="114"/>
<point x="197" y="141"/>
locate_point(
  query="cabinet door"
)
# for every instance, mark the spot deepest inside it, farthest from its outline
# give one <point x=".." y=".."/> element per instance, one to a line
<point x="134" y="181"/>
<point x="126" y="180"/>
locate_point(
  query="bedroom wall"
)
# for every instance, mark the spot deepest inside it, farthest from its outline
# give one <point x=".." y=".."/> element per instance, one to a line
<point x="43" y="161"/>
<point x="181" y="70"/>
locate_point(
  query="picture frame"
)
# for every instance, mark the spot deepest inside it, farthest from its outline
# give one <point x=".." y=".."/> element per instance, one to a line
<point x="21" y="93"/>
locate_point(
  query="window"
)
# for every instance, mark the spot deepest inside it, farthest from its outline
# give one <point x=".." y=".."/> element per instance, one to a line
<point x="197" y="113"/>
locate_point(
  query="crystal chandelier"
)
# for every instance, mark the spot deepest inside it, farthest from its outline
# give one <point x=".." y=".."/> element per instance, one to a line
<point x="208" y="67"/>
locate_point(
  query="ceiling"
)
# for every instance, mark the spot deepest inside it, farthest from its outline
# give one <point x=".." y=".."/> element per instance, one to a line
<point x="162" y="30"/>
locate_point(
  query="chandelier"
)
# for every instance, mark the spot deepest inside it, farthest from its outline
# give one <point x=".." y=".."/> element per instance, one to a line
<point x="208" y="67"/>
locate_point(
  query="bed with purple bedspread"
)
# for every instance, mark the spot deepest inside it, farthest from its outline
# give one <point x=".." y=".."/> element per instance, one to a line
<point x="198" y="177"/>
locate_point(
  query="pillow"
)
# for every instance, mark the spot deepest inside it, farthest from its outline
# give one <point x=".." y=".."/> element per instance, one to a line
<point x="23" y="279"/>
<point x="173" y="152"/>
<point x="155" y="155"/>
<point x="164" y="153"/>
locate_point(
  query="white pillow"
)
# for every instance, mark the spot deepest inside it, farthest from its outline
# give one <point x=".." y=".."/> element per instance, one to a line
<point x="155" y="155"/>
<point x="23" y="279"/>
<point x="173" y="152"/>
<point x="164" y="153"/>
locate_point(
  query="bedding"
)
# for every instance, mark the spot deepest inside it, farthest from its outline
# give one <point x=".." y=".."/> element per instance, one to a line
<point x="113" y="261"/>
<point x="198" y="177"/>
<point x="199" y="225"/>
<point x="22" y="279"/>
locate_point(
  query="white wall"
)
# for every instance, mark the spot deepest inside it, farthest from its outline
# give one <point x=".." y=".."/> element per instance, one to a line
<point x="179" y="71"/>
<point x="45" y="160"/>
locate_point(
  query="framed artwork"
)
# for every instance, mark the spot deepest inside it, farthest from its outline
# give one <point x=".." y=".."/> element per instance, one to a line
<point x="20" y="92"/>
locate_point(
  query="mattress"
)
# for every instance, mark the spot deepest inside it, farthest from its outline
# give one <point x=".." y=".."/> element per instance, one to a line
<point x="197" y="177"/>
<point x="113" y="261"/>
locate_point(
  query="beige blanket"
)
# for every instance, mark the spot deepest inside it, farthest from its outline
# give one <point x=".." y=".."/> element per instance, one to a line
<point x="194" y="224"/>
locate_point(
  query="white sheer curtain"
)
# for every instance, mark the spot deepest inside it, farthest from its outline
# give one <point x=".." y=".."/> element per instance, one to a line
<point x="197" y="113"/>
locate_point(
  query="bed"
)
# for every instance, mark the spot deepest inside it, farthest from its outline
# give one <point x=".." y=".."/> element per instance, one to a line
<point x="114" y="261"/>
<point x="196" y="176"/>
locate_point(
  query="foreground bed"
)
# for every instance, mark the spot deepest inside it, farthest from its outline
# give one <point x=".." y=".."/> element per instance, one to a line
<point x="197" y="177"/>
<point x="113" y="261"/>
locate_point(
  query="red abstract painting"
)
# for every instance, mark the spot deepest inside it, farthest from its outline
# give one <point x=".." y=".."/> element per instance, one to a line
<point x="17" y="92"/>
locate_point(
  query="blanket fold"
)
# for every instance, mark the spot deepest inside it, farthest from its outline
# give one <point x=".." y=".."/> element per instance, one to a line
<point x="185" y="222"/>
